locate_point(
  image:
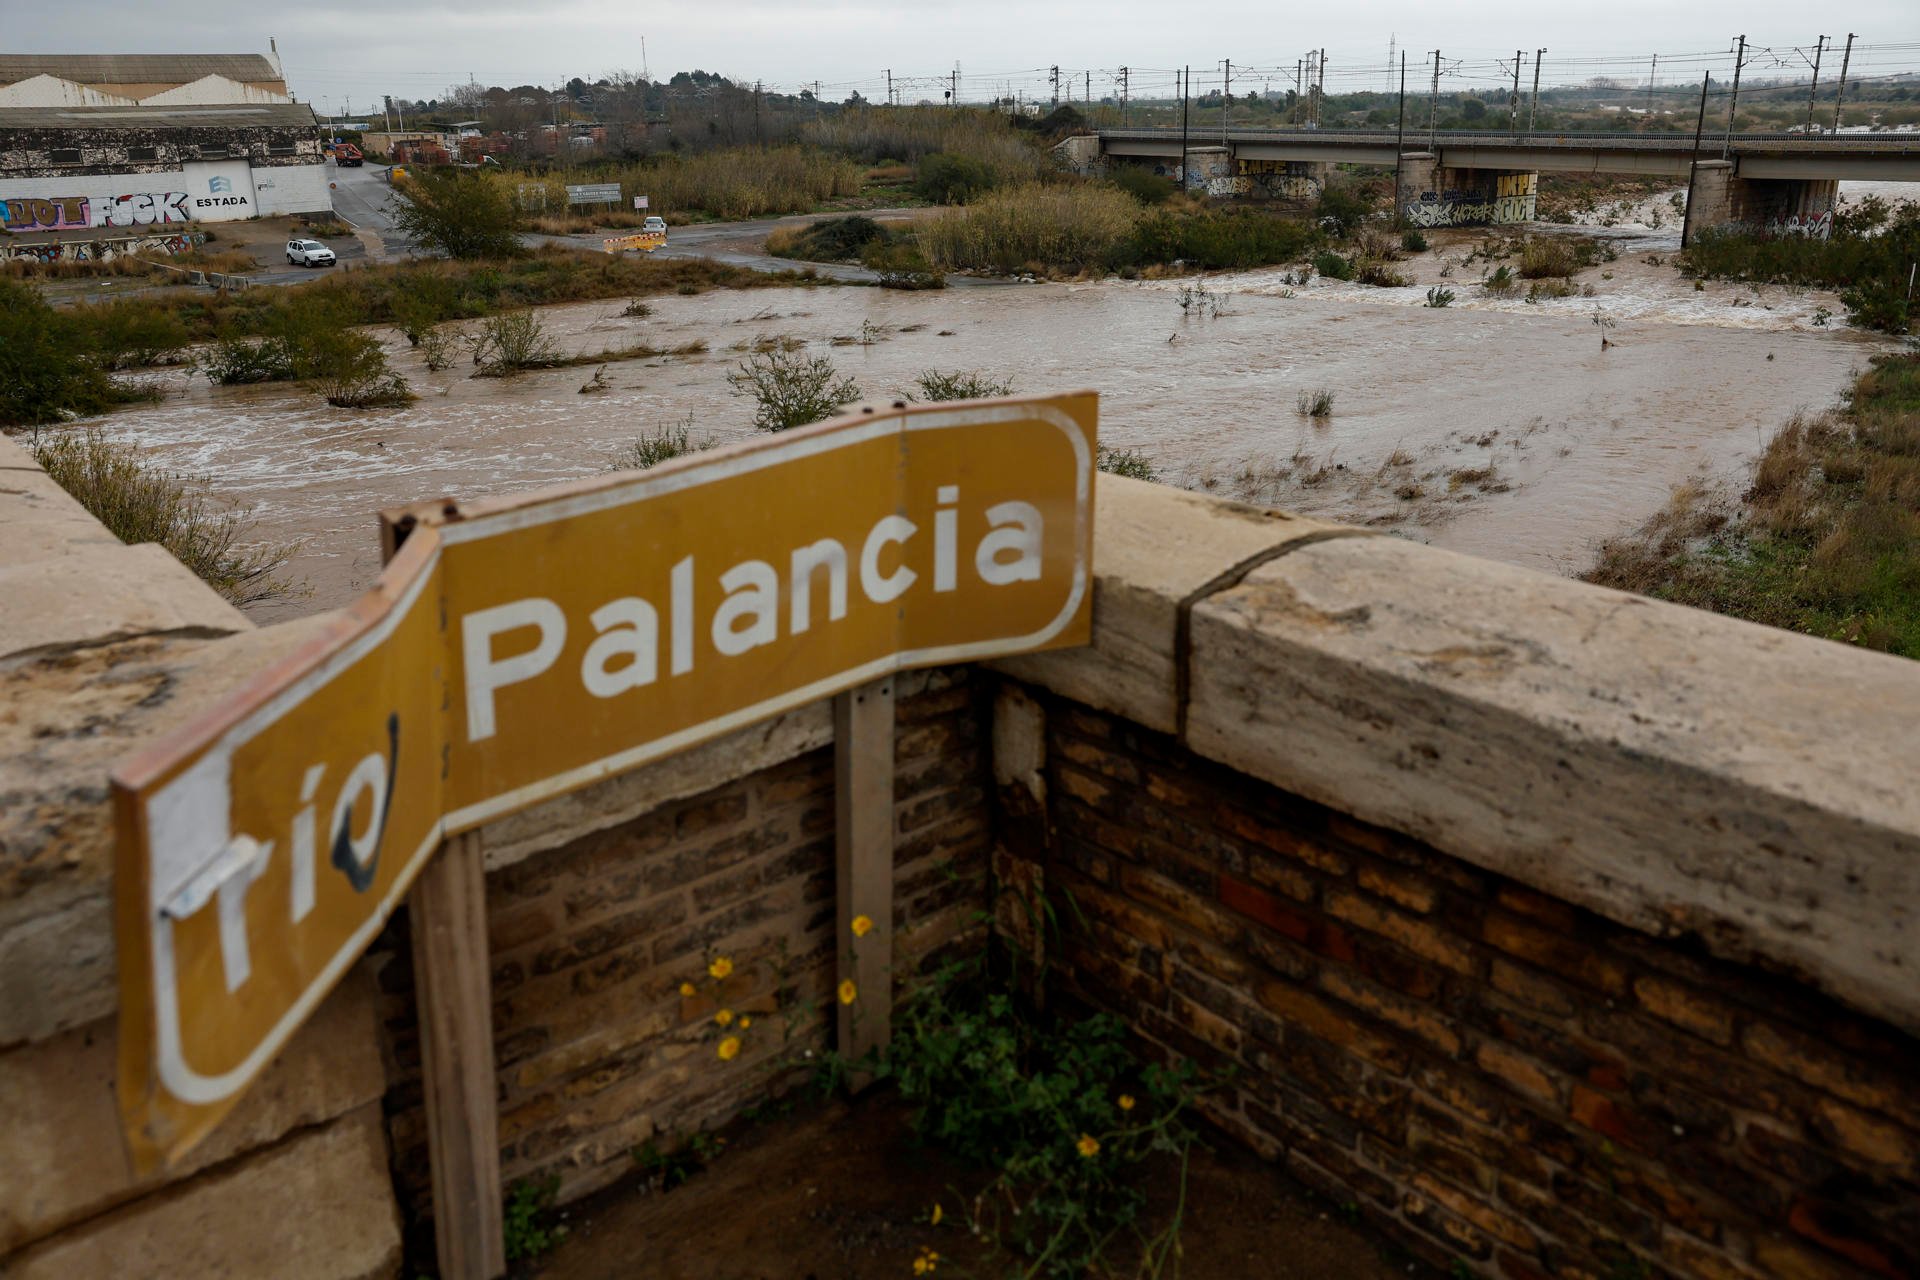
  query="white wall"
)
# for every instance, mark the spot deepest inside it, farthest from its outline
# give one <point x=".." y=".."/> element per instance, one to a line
<point x="200" y="191"/>
<point x="212" y="90"/>
<point x="299" y="188"/>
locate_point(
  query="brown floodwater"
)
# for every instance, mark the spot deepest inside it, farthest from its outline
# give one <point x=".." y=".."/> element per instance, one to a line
<point x="1491" y="426"/>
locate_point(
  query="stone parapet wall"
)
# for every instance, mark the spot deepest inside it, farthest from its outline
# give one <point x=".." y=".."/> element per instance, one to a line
<point x="103" y="648"/>
<point x="1545" y="925"/>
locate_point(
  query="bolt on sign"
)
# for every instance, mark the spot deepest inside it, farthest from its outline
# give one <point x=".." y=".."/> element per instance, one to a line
<point x="520" y="648"/>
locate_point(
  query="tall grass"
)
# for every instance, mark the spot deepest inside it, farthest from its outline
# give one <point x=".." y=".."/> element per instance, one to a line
<point x="141" y="503"/>
<point x="1826" y="539"/>
<point x="730" y="184"/>
<point x="1034" y="226"/>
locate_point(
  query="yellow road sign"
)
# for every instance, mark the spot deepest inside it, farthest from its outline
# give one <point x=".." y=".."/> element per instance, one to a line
<point x="517" y="649"/>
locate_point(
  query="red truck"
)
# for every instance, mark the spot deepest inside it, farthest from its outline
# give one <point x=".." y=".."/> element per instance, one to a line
<point x="346" y="155"/>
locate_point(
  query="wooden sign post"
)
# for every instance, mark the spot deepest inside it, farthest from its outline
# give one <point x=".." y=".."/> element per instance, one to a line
<point x="522" y="648"/>
<point x="863" y="865"/>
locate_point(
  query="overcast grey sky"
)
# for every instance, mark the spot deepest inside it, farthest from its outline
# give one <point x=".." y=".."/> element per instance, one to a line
<point x="341" y="51"/>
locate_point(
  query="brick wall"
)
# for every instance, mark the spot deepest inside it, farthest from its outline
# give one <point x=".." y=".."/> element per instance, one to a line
<point x="597" y="1051"/>
<point x="1485" y="1073"/>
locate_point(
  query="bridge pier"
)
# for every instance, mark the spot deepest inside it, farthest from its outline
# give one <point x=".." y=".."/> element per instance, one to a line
<point x="1431" y="194"/>
<point x="1722" y="200"/>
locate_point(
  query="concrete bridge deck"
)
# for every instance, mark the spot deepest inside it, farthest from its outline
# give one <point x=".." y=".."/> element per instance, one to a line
<point x="1874" y="157"/>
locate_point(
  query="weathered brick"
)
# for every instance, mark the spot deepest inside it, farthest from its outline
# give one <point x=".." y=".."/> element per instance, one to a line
<point x="1839" y="1230"/>
<point x="1559" y="952"/>
<point x="1099" y="759"/>
<point x="1876" y="1141"/>
<point x="1518" y="1072"/>
<point x="1851" y="1077"/>
<point x="1528" y="988"/>
<point x="1417" y="936"/>
<point x="1500" y="1226"/>
<point x="1693" y="1257"/>
<point x="708" y="813"/>
<point x="1295" y="1008"/>
<point x="1411" y="891"/>
<point x="1287" y="843"/>
<point x="1416" y="1019"/>
<point x="1685" y="1008"/>
<point x="1185" y="907"/>
<point x="1281" y="876"/>
<point x="1083" y="787"/>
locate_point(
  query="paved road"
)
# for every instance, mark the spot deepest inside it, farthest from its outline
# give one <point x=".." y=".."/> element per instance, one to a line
<point x="360" y="197"/>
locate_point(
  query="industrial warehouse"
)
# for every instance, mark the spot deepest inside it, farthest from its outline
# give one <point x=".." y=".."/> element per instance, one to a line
<point x="132" y="142"/>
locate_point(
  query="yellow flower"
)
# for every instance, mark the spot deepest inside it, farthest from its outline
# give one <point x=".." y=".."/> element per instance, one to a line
<point x="745" y="1023"/>
<point x="848" y="992"/>
<point x="1126" y="1102"/>
<point x="938" y="1214"/>
<point x="687" y="989"/>
<point x="729" y="1049"/>
<point x="919" y="1266"/>
<point x="1089" y="1146"/>
<point x="862" y="926"/>
<point x="721" y="967"/>
<point x="724" y="1017"/>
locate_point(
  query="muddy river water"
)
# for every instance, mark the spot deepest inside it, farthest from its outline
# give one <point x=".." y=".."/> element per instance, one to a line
<point x="1491" y="426"/>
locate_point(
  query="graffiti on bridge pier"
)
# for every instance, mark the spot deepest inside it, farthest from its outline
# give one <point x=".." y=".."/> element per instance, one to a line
<point x="1513" y="198"/>
<point x="1803" y="226"/>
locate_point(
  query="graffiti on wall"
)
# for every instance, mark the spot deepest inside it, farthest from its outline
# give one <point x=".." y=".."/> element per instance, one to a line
<point x="71" y="213"/>
<point x="102" y="250"/>
<point x="61" y="213"/>
<point x="1803" y="226"/>
<point x="1512" y="198"/>
<point x="1278" y="179"/>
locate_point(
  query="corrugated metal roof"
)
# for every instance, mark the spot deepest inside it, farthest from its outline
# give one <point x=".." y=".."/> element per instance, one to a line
<point x="234" y="115"/>
<point x="137" y="68"/>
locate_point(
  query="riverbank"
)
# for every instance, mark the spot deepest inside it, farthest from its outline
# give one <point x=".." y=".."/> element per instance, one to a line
<point x="1826" y="538"/>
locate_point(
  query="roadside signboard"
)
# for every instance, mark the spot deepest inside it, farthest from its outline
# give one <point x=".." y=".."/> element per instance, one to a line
<point x="521" y="648"/>
<point x="639" y="202"/>
<point x="646" y="241"/>
<point x="594" y="193"/>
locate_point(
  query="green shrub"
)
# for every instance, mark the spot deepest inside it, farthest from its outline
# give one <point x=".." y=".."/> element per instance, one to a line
<point x="1868" y="258"/>
<point x="960" y="385"/>
<point x="1413" y="242"/>
<point x="662" y="444"/>
<point x="1500" y="281"/>
<point x="834" y="240"/>
<point x="1142" y="183"/>
<point x="511" y="343"/>
<point x="945" y="178"/>
<point x="1440" y="296"/>
<point x="1341" y="209"/>
<point x="791" y="390"/>
<point x="234" y="362"/>
<point x="457" y="212"/>
<point x="138" y="337"/>
<point x="901" y="265"/>
<point x="1219" y="239"/>
<point x="1379" y="274"/>
<point x="46" y="368"/>
<point x="1315" y="404"/>
<point x="138" y="503"/>
<point x="527" y="1218"/>
<point x="1130" y="463"/>
<point x="1332" y="265"/>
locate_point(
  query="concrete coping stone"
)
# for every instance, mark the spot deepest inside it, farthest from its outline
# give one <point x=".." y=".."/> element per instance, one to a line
<point x="1677" y="771"/>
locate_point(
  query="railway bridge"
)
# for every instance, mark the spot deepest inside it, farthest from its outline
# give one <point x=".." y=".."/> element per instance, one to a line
<point x="1783" y="182"/>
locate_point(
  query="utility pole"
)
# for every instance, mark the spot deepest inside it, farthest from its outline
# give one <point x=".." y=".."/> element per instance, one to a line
<point x="1433" y="104"/>
<point x="1186" y="84"/>
<point x="1693" y="168"/>
<point x="1841" y="91"/>
<point x="1533" y="107"/>
<point x="1056" y="88"/>
<point x="1299" y="88"/>
<point x="954" y="96"/>
<point x="1733" y="102"/>
<point x="1819" y="48"/>
<point x="1226" y="103"/>
<point x="1086" y="92"/>
<point x="1513" y="99"/>
<point x="1652" y="73"/>
<point x="1400" y="138"/>
<point x="1123" y="97"/>
<point x="1320" y="98"/>
<point x="889" y="86"/>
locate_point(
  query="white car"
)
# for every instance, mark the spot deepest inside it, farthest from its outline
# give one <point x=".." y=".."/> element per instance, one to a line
<point x="653" y="226"/>
<point x="309" y="253"/>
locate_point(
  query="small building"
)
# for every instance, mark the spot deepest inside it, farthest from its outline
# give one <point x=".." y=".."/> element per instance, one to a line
<point x="134" y="141"/>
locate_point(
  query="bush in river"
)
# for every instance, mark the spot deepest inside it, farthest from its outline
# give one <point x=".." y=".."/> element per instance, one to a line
<point x="1125" y="462"/>
<point x="47" y="366"/>
<point x="901" y="265"/>
<point x="1069" y="227"/>
<point x="510" y="343"/>
<point x="834" y="240"/>
<point x="662" y="444"/>
<point x="791" y="390"/>
<point x="960" y="385"/>
<point x="1332" y="265"/>
<point x="140" y="503"/>
<point x="1867" y="258"/>
<point x="1217" y="239"/>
